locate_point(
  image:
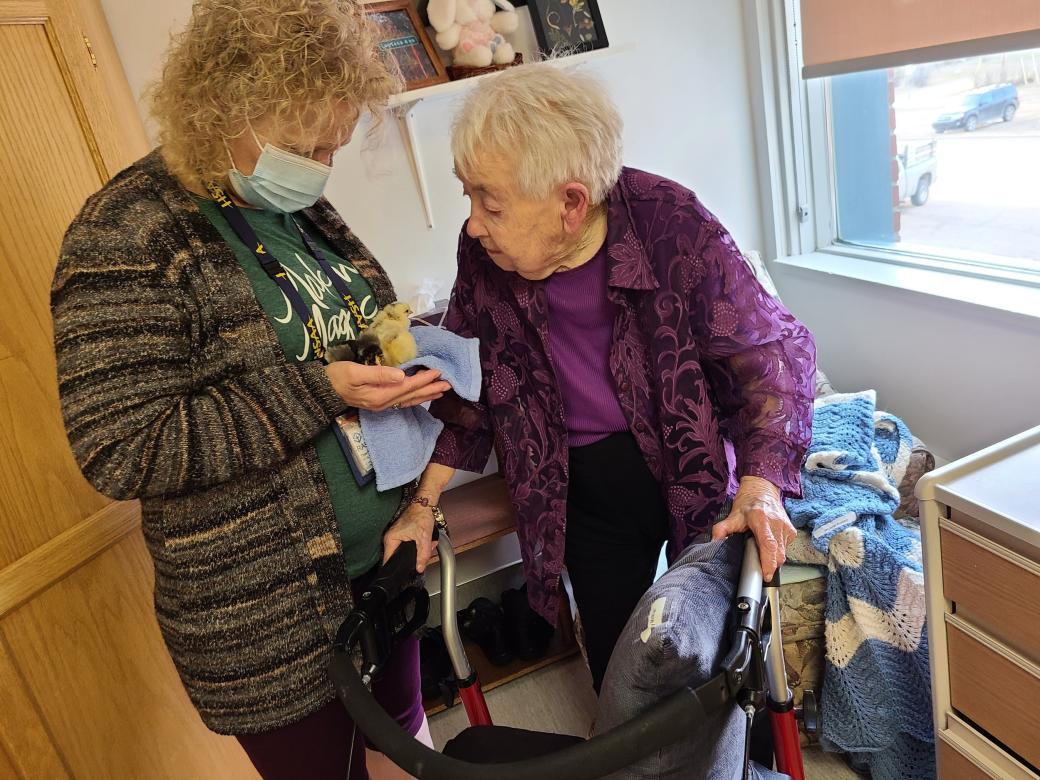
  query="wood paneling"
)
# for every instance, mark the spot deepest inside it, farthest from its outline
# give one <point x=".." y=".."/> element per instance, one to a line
<point x="7" y="769"/>
<point x="65" y="553"/>
<point x="998" y="694"/>
<point x="91" y="652"/>
<point x="87" y="688"/>
<point x="107" y="99"/>
<point x="24" y="740"/>
<point x="985" y="583"/>
<point x="48" y="169"/>
<point x="954" y="766"/>
<point x="988" y="532"/>
<point x="42" y="492"/>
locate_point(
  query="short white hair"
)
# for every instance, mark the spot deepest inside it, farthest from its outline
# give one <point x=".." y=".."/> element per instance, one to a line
<point x="554" y="126"/>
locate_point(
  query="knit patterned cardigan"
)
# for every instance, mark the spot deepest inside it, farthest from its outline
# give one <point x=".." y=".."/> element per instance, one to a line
<point x="175" y="390"/>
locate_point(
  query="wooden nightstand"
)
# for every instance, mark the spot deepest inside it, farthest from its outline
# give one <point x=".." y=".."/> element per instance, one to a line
<point x="980" y="524"/>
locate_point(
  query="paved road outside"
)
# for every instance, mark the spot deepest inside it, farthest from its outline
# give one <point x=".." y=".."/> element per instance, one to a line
<point x="987" y="196"/>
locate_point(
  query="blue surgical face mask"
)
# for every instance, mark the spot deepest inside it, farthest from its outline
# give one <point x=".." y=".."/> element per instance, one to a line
<point x="281" y="181"/>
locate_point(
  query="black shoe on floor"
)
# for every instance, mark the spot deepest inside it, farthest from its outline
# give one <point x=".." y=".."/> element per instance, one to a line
<point x="435" y="670"/>
<point x="482" y="622"/>
<point x="527" y="632"/>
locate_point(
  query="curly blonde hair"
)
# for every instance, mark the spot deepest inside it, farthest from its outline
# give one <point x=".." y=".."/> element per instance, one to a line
<point x="296" y="62"/>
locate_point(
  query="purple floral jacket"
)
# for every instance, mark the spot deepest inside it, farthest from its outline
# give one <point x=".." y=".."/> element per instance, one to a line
<point x="714" y="375"/>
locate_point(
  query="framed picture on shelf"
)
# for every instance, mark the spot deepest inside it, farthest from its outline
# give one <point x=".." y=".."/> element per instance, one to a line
<point x="567" y="26"/>
<point x="404" y="36"/>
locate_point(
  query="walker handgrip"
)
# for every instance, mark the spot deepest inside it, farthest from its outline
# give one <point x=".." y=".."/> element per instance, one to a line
<point x="397" y="573"/>
<point x="666" y="722"/>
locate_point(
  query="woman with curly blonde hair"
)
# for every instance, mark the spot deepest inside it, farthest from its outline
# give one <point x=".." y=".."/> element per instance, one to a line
<point x="194" y="301"/>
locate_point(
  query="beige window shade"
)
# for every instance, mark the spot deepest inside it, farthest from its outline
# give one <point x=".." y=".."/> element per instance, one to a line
<point x="842" y="36"/>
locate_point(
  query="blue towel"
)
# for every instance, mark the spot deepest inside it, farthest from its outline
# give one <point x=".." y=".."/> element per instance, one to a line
<point x="401" y="441"/>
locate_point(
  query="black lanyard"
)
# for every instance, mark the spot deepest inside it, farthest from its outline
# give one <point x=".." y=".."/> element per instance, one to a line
<point x="276" y="271"/>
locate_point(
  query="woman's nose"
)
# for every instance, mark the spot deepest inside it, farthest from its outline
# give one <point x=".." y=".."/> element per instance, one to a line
<point x="474" y="227"/>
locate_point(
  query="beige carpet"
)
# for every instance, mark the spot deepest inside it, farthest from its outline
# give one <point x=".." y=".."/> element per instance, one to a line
<point x="559" y="698"/>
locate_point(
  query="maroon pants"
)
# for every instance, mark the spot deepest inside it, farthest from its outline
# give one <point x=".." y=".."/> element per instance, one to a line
<point x="319" y="746"/>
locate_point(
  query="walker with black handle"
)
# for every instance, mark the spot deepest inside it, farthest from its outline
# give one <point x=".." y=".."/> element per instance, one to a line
<point x="753" y="675"/>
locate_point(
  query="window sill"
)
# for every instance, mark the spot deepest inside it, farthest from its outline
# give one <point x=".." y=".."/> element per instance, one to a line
<point x="1021" y="299"/>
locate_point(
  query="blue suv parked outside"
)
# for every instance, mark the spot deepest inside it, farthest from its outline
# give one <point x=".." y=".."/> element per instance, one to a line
<point x="986" y="104"/>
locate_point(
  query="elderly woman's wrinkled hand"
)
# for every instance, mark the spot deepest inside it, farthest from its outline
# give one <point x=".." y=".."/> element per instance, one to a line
<point x="414" y="525"/>
<point x="378" y="388"/>
<point x="758" y="507"/>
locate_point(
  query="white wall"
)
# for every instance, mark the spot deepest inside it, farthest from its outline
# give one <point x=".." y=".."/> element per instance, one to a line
<point x="961" y="376"/>
<point x="682" y="91"/>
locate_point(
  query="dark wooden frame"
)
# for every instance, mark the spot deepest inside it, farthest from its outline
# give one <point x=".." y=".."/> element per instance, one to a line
<point x="385" y="6"/>
<point x="534" y="6"/>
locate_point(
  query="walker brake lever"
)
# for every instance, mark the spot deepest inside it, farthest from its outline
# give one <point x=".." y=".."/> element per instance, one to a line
<point x="744" y="664"/>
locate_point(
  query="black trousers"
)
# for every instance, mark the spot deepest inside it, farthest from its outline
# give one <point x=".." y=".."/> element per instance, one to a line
<point x="617" y="522"/>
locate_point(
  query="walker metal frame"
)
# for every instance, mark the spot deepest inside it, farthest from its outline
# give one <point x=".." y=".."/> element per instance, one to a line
<point x="752" y="674"/>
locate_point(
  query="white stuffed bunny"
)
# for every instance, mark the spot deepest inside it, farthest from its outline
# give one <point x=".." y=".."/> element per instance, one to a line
<point x="473" y="30"/>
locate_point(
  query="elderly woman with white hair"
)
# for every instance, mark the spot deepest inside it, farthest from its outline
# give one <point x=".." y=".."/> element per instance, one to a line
<point x="640" y="386"/>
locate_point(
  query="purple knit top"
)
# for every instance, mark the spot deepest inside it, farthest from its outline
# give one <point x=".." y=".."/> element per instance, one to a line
<point x="581" y="318"/>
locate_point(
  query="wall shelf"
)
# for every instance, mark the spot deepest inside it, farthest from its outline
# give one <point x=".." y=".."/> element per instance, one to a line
<point x="405" y="103"/>
<point x="478" y="513"/>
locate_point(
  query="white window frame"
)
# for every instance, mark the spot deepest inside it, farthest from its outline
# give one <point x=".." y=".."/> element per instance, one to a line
<point x="795" y="158"/>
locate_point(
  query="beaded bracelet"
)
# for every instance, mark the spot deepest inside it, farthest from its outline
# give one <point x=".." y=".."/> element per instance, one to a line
<point x="438" y="514"/>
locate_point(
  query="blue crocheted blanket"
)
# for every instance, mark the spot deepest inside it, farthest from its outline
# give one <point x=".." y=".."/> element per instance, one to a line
<point x="876" y="700"/>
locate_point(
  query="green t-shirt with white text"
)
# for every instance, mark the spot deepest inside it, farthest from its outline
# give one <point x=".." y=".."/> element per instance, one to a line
<point x="362" y="513"/>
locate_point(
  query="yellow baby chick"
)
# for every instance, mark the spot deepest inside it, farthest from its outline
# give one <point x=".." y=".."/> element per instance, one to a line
<point x="398" y="347"/>
<point x="388" y="337"/>
<point x="396" y="314"/>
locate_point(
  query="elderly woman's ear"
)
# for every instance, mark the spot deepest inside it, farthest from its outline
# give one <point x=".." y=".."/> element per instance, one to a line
<point x="575" y="207"/>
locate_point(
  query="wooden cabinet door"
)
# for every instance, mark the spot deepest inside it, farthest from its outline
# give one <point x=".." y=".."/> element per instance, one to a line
<point x="87" y="689"/>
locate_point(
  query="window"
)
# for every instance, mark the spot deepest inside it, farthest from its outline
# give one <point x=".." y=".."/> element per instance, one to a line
<point x="940" y="160"/>
<point x="933" y="165"/>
